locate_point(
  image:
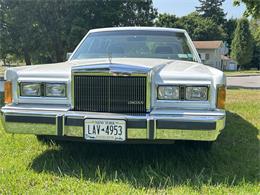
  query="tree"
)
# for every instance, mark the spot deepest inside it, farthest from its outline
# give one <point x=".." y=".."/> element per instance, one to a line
<point x="252" y="7"/>
<point x="166" y="20"/>
<point x="255" y="30"/>
<point x="43" y="31"/>
<point x="198" y="27"/>
<point x="212" y="9"/>
<point x="242" y="44"/>
<point x="19" y="28"/>
<point x="229" y="28"/>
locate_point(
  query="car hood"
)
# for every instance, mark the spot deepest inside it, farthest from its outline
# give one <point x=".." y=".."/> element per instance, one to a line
<point x="162" y="69"/>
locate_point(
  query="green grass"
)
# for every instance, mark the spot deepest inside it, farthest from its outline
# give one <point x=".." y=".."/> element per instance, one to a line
<point x="2" y="71"/>
<point x="231" y="167"/>
<point x="242" y="72"/>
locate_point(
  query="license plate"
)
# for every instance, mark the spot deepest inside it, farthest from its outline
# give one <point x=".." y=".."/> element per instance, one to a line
<point x="112" y="130"/>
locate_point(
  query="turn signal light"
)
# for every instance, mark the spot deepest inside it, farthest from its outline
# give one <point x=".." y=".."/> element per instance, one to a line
<point x="8" y="92"/>
<point x="221" y="97"/>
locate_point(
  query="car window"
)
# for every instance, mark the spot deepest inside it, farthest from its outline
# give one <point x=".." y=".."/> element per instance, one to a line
<point x="135" y="44"/>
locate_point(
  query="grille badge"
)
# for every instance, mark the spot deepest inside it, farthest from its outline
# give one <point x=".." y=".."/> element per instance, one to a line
<point x="135" y="102"/>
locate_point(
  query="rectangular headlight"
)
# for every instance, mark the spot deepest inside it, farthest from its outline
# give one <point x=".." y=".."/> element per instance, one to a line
<point x="168" y="93"/>
<point x="55" y="89"/>
<point x="196" y="93"/>
<point x="30" y="89"/>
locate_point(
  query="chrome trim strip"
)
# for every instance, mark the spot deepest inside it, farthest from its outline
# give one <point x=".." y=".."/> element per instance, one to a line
<point x="120" y="69"/>
<point x="148" y="91"/>
<point x="155" y="128"/>
<point x="59" y="124"/>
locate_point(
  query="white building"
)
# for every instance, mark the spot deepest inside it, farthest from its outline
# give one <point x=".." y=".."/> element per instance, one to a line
<point x="211" y="52"/>
<point x="228" y="63"/>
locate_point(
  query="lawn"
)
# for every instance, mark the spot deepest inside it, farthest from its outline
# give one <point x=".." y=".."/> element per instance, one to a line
<point x="231" y="167"/>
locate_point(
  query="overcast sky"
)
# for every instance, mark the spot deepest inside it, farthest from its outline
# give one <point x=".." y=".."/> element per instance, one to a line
<point x="184" y="7"/>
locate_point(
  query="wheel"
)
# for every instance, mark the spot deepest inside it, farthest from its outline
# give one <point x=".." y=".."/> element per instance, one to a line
<point x="52" y="140"/>
<point x="45" y="139"/>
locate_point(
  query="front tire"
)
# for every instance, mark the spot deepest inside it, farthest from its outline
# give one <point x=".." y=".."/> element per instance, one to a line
<point x="45" y="139"/>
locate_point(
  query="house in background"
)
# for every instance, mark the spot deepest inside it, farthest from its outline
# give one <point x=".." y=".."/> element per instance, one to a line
<point x="228" y="63"/>
<point x="211" y="52"/>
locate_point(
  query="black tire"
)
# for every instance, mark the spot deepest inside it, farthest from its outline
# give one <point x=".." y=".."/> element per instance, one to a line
<point x="45" y="139"/>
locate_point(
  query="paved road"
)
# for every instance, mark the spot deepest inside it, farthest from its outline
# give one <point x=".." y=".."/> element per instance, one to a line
<point x="244" y="82"/>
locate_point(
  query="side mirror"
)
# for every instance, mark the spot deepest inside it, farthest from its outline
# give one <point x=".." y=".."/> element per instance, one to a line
<point x="68" y="55"/>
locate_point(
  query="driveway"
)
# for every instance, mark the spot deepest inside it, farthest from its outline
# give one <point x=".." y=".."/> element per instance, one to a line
<point x="250" y="82"/>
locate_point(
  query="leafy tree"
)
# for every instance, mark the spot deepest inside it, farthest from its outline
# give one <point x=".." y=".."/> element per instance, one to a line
<point x="43" y="31"/>
<point x="4" y="43"/>
<point x="252" y="7"/>
<point x="229" y="28"/>
<point x="20" y="29"/>
<point x="201" y="28"/>
<point x="212" y="9"/>
<point x="255" y="29"/>
<point x="242" y="44"/>
<point x="198" y="27"/>
<point x="166" y="20"/>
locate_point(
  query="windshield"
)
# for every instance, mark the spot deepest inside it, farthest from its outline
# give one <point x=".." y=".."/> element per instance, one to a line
<point x="135" y="44"/>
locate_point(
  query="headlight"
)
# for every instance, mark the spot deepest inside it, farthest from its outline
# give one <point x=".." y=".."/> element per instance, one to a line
<point x="30" y="89"/>
<point x="196" y="93"/>
<point x="55" y="90"/>
<point x="168" y="93"/>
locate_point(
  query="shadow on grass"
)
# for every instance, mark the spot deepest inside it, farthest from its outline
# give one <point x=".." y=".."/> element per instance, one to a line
<point x="233" y="159"/>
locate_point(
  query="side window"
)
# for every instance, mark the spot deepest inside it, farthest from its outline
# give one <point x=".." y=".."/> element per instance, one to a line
<point x="207" y="56"/>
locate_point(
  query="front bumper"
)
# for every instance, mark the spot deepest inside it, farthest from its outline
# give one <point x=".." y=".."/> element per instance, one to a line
<point x="157" y="125"/>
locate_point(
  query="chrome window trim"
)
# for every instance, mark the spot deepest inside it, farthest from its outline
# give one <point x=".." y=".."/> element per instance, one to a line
<point x="189" y="41"/>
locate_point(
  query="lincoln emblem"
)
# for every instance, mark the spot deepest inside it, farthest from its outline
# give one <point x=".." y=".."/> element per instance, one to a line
<point x="136" y="102"/>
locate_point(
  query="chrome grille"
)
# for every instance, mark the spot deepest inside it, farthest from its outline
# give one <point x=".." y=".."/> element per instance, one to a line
<point x="118" y="94"/>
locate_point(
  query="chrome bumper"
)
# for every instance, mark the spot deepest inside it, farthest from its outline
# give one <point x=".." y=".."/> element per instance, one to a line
<point x="157" y="125"/>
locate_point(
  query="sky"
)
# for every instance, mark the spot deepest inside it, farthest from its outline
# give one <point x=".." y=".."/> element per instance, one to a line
<point x="184" y="7"/>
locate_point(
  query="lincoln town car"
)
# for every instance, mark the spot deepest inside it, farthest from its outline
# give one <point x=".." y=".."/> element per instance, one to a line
<point x="120" y="85"/>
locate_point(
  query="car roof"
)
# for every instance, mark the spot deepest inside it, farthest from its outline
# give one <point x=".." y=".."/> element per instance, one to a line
<point x="137" y="28"/>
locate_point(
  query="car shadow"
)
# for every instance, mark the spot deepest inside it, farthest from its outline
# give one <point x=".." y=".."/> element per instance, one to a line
<point x="234" y="158"/>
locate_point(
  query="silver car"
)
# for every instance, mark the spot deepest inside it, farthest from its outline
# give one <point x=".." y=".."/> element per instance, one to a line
<point x="126" y="84"/>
